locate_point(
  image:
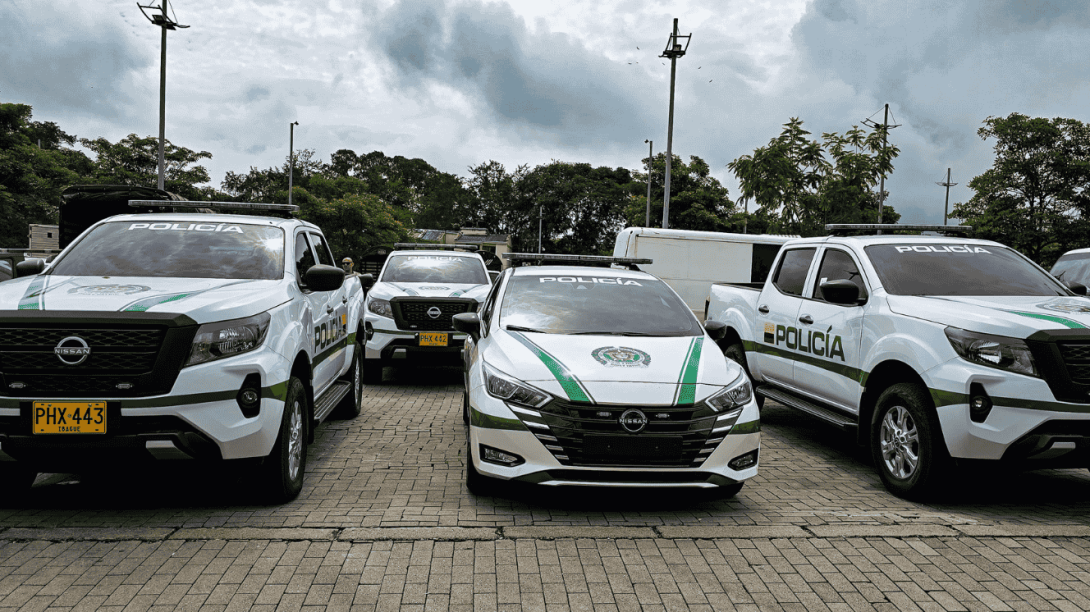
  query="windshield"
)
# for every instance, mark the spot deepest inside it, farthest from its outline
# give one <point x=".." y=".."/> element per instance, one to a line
<point x="595" y="303"/>
<point x="1073" y="268"/>
<point x="952" y="269"/>
<point x="435" y="269"/>
<point x="186" y="250"/>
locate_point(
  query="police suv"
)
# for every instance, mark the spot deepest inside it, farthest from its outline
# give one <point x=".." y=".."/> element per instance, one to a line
<point x="930" y="348"/>
<point x="600" y="377"/>
<point x="409" y="309"/>
<point x="178" y="336"/>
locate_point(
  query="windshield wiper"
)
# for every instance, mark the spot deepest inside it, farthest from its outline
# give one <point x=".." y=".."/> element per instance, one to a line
<point x="525" y="329"/>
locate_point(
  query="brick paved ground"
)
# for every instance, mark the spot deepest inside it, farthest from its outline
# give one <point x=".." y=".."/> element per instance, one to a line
<point x="385" y="522"/>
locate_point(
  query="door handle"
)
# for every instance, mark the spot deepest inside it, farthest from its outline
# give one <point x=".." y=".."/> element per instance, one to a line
<point x="807" y="319"/>
<point x="329" y="310"/>
<point x="762" y="309"/>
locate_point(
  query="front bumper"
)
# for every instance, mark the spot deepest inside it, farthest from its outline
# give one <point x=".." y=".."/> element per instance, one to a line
<point x="199" y="419"/>
<point x="392" y="345"/>
<point x="495" y="425"/>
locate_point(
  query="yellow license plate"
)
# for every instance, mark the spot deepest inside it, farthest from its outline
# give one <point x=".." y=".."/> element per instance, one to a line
<point x="434" y="339"/>
<point x="69" y="417"/>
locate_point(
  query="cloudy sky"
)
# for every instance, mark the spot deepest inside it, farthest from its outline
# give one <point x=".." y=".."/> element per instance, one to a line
<point x="459" y="82"/>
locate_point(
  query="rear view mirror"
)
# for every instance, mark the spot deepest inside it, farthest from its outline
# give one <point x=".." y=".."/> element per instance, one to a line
<point x="31" y="267"/>
<point x="716" y="329"/>
<point x="468" y="323"/>
<point x="367" y="280"/>
<point x="323" y="278"/>
<point x="842" y="291"/>
<point x="1076" y="288"/>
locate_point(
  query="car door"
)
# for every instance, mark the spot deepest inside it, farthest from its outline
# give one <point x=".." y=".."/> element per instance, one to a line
<point x="334" y="325"/>
<point x="829" y="334"/>
<point x="776" y="335"/>
<point x="316" y="303"/>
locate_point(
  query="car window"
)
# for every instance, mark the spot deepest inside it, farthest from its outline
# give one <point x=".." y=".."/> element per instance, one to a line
<point x="489" y="304"/>
<point x="325" y="257"/>
<point x="1073" y="268"/>
<point x="595" y="303"/>
<point x="177" y="250"/>
<point x="304" y="259"/>
<point x="792" y="271"/>
<point x="959" y="269"/>
<point x="451" y="269"/>
<point x="838" y="265"/>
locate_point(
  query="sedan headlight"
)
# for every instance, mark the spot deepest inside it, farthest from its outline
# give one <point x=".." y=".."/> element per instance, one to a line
<point x="993" y="351"/>
<point x="734" y="395"/>
<point x="228" y="338"/>
<point x="380" y="307"/>
<point x="508" y="389"/>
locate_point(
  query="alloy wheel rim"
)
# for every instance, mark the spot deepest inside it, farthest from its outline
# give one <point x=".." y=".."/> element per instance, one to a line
<point x="900" y="443"/>
<point x="295" y="440"/>
<point x="358" y="383"/>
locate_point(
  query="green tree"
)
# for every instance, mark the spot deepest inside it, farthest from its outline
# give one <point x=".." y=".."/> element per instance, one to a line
<point x="135" y="161"/>
<point x="582" y="207"/>
<point x="698" y="201"/>
<point x="270" y="186"/>
<point x="500" y="204"/>
<point x="1036" y="195"/>
<point x="355" y="224"/>
<point x="36" y="164"/>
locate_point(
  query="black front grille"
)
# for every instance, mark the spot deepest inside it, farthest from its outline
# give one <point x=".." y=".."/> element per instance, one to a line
<point x="1076" y="358"/>
<point x="131" y="354"/>
<point x="416" y="313"/>
<point x="584" y="434"/>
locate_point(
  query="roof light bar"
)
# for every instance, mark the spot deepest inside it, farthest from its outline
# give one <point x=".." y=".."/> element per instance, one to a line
<point x="408" y="246"/>
<point x="840" y="229"/>
<point x="226" y="205"/>
<point x="523" y="258"/>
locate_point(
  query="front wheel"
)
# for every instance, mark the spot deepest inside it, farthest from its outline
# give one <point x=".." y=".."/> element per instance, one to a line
<point x="283" y="469"/>
<point x="352" y="404"/>
<point x="906" y="443"/>
<point x="15" y="478"/>
<point x="476" y="482"/>
<point x="465" y="401"/>
<point x="737" y="353"/>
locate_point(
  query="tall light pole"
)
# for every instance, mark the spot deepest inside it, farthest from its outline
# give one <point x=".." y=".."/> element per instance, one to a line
<point x="166" y="23"/>
<point x="948" y="185"/>
<point x="673" y="51"/>
<point x="886" y="127"/>
<point x="650" y="159"/>
<point x="540" y="212"/>
<point x="291" y="156"/>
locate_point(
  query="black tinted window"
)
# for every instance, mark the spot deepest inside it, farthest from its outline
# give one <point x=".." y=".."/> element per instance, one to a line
<point x="324" y="256"/>
<point x="958" y="269"/>
<point x="189" y="250"/>
<point x="838" y="265"/>
<point x="435" y="269"/>
<point x="304" y="259"/>
<point x="792" y="272"/>
<point x="596" y="303"/>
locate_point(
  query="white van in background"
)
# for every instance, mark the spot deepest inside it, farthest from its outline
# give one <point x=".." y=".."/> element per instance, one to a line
<point x="690" y="261"/>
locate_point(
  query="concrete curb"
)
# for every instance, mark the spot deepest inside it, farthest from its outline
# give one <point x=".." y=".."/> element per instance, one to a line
<point x="252" y="533"/>
<point x="744" y="532"/>
<point x="95" y="534"/>
<point x="575" y="532"/>
<point x="370" y="534"/>
<point x="882" y="531"/>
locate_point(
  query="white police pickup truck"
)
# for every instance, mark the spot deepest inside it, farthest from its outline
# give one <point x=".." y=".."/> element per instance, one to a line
<point x="178" y="336"/>
<point x="408" y="314"/>
<point x="934" y="349"/>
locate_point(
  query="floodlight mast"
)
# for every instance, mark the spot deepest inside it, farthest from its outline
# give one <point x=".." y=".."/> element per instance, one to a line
<point x="166" y="23"/>
<point x="673" y="51"/>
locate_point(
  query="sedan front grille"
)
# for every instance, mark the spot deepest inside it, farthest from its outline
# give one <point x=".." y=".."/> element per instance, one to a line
<point x="424" y="314"/>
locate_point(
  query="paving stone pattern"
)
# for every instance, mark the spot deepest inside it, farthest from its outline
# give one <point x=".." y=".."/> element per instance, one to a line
<point x="384" y="522"/>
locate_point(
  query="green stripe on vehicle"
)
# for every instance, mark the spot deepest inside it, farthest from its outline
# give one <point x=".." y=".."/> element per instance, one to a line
<point x="32" y="299"/>
<point x="488" y="421"/>
<point x="571" y="385"/>
<point x="745" y="428"/>
<point x="686" y="390"/>
<point x="146" y="303"/>
<point x="844" y="370"/>
<point x="1051" y="318"/>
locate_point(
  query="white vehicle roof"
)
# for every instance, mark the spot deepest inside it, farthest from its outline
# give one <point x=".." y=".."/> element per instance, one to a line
<point x="1076" y="252"/>
<point x="434" y="252"/>
<point x="209" y="218"/>
<point x="698" y="235"/>
<point x="580" y="270"/>
<point x="864" y="241"/>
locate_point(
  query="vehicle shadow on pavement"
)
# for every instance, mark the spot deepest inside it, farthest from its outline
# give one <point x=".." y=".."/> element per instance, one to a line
<point x="416" y="375"/>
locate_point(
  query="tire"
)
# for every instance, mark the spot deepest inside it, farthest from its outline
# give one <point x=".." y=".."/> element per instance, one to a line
<point x="477" y="483"/>
<point x="906" y="442"/>
<point x="352" y="404"/>
<point x="285" y="466"/>
<point x="737" y="354"/>
<point x="729" y="491"/>
<point x="14" y="477"/>
<point x="372" y="371"/>
<point x="465" y="401"/>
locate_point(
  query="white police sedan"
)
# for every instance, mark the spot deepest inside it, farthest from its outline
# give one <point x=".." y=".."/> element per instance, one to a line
<point x="601" y="377"/>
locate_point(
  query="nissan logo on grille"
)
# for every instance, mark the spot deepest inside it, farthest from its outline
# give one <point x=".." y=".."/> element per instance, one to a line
<point x="434" y="312"/>
<point x="73" y="350"/>
<point x="633" y="420"/>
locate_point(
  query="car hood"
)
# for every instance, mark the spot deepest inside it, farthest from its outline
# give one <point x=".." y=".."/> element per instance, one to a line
<point x="661" y="370"/>
<point x="385" y="291"/>
<point x="202" y="299"/>
<point x="1013" y="316"/>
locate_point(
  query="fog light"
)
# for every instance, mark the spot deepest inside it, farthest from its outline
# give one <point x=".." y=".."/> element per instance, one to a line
<point x="980" y="405"/>
<point x="249" y="396"/>
<point x="742" y="462"/>
<point x="495" y="455"/>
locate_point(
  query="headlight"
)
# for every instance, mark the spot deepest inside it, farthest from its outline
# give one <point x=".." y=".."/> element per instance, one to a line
<point x="736" y="394"/>
<point x="993" y="351"/>
<point x="380" y="307"/>
<point x="228" y="338"/>
<point x="504" y="387"/>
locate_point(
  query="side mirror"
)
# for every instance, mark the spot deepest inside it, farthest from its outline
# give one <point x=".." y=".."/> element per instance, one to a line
<point x="716" y="329"/>
<point x="31" y="267"/>
<point x="1076" y="288"/>
<point x="843" y="292"/>
<point x="367" y="280"/>
<point x="323" y="278"/>
<point x="468" y="323"/>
